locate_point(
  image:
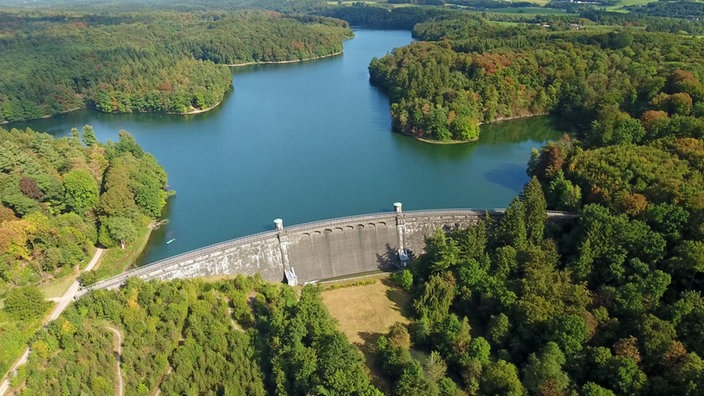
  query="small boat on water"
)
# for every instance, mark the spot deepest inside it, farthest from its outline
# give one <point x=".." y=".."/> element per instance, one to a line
<point x="170" y="241"/>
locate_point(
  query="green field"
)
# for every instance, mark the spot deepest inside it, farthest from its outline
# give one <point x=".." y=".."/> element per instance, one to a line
<point x="58" y="286"/>
<point x="115" y="261"/>
<point x="366" y="311"/>
<point x="619" y="6"/>
<point x="528" y="11"/>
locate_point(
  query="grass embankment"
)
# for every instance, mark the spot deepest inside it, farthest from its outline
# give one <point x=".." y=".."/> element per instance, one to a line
<point x="350" y="3"/>
<point x="365" y="310"/>
<point x="116" y="260"/>
<point x="529" y="11"/>
<point x="58" y="287"/>
<point x="113" y="262"/>
<point x="618" y="6"/>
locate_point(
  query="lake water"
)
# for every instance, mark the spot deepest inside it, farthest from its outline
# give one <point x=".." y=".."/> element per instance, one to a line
<point x="306" y="142"/>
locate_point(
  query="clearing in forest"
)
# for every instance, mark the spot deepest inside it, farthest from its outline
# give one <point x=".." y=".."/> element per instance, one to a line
<point x="364" y="312"/>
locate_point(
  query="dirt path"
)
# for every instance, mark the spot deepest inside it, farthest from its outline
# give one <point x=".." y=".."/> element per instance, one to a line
<point x="118" y="351"/>
<point x="232" y="320"/>
<point x="158" y="388"/>
<point x="73" y="289"/>
<point x="62" y="303"/>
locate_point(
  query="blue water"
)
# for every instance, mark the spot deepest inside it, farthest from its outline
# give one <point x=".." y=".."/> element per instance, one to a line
<point x="305" y="142"/>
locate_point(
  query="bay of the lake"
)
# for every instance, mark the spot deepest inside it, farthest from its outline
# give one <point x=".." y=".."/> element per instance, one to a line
<point x="305" y="142"/>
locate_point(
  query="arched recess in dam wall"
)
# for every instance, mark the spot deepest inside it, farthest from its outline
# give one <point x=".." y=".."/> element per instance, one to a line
<point x="354" y="247"/>
<point x="315" y="251"/>
<point x="343" y="249"/>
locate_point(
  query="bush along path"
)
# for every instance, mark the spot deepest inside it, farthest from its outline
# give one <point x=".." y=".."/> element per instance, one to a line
<point x="61" y="304"/>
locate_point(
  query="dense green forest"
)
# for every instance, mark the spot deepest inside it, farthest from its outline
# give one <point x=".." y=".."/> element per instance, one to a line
<point x="677" y="9"/>
<point x="379" y="17"/>
<point x="151" y="61"/>
<point x="60" y="197"/>
<point x="110" y="6"/>
<point x="468" y="70"/>
<point x="608" y="303"/>
<point x="237" y="337"/>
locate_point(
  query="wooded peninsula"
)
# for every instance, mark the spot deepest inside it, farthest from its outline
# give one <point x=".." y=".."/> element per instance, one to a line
<point x="150" y="61"/>
<point x="609" y="303"/>
<point x="465" y="71"/>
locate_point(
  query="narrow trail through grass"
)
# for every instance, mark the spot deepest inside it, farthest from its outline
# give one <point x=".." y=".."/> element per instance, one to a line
<point x="117" y="345"/>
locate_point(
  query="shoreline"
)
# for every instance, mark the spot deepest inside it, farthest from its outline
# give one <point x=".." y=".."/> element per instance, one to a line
<point x="451" y="142"/>
<point x="143" y="245"/>
<point x="117" y="261"/>
<point x="284" y="62"/>
<point x="190" y="112"/>
<point x="445" y="142"/>
<point x="197" y="111"/>
<point x="46" y="116"/>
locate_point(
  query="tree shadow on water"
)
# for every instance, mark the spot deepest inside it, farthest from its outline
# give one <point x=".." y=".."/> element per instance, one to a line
<point x="507" y="175"/>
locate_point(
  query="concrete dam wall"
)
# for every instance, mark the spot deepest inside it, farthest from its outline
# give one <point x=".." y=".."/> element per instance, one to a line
<point x="314" y="251"/>
<point x="340" y="248"/>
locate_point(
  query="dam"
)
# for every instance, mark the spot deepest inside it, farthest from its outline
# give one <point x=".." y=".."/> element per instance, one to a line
<point x="316" y="251"/>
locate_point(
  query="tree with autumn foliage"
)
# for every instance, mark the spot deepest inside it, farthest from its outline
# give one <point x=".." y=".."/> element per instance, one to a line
<point x="61" y="197"/>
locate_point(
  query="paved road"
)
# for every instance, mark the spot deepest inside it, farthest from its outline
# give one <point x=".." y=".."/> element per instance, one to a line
<point x="61" y="305"/>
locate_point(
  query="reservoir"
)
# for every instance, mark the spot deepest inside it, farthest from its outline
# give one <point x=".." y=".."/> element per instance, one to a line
<point x="309" y="141"/>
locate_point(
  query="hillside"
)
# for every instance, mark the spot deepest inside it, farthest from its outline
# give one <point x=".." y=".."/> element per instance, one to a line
<point x="152" y="61"/>
<point x="236" y="337"/>
<point x="607" y="304"/>
<point x="467" y="71"/>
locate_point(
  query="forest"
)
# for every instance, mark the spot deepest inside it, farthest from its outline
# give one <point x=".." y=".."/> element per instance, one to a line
<point x="152" y="61"/>
<point x="235" y="337"/>
<point x="378" y="17"/>
<point x="111" y="6"/>
<point x="608" y="303"/>
<point x="466" y="71"/>
<point x="59" y="199"/>
<point x="676" y="9"/>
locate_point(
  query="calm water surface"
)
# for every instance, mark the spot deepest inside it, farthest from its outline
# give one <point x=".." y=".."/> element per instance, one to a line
<point x="306" y="142"/>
